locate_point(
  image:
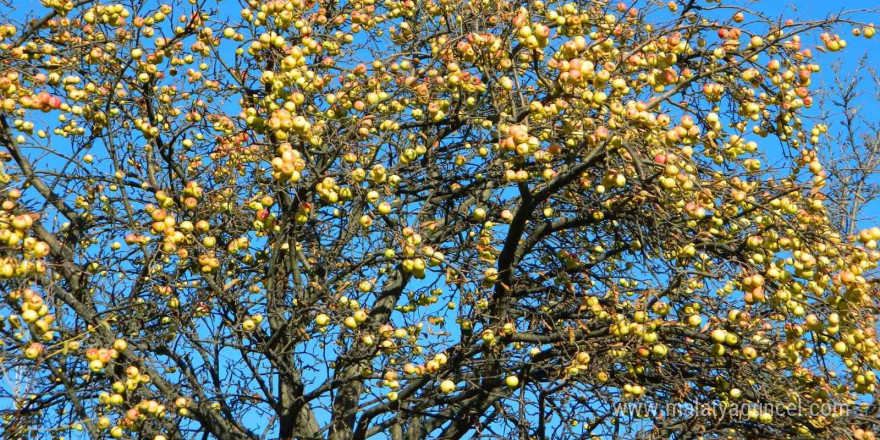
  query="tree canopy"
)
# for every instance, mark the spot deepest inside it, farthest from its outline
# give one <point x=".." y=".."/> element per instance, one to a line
<point x="412" y="219"/>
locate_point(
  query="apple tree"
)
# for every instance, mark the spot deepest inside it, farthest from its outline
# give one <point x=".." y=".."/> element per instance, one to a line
<point x="412" y="219"/>
<point x="851" y="145"/>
